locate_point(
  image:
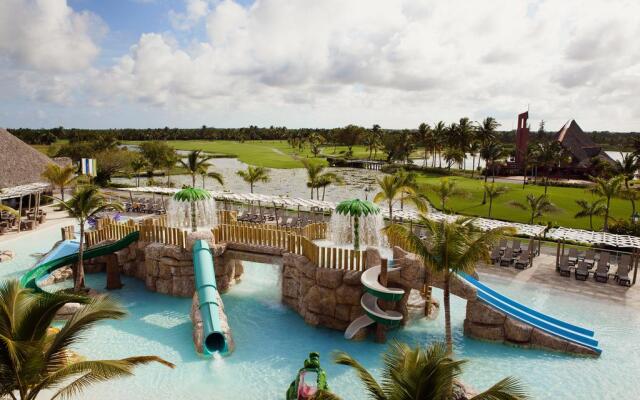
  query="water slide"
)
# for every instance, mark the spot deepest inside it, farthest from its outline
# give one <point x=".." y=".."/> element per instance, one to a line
<point x="546" y="323"/>
<point x="214" y="338"/>
<point x="374" y="291"/>
<point x="66" y="253"/>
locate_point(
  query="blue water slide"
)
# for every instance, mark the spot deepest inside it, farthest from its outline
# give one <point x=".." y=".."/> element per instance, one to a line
<point x="214" y="338"/>
<point x="62" y="249"/>
<point x="546" y="323"/>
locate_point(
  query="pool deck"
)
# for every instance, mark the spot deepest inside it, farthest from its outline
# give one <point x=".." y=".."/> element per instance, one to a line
<point x="543" y="273"/>
<point x="54" y="218"/>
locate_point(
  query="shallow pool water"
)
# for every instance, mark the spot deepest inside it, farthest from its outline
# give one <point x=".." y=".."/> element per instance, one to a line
<point x="272" y="341"/>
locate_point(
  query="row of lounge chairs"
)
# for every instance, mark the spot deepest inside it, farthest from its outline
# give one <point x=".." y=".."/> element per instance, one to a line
<point x="285" y="222"/>
<point x="144" y="206"/>
<point x="515" y="255"/>
<point x="582" y="267"/>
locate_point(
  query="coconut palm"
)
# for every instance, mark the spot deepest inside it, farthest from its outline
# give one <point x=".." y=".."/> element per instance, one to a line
<point x="449" y="248"/>
<point x="169" y="163"/>
<point x="326" y="180"/>
<point x="393" y="188"/>
<point x="473" y="149"/>
<point x="192" y="195"/>
<point x="86" y="203"/>
<point x="439" y="138"/>
<point x="423" y="137"/>
<point x="590" y="209"/>
<point x="422" y="373"/>
<point x="486" y="131"/>
<point x="537" y="206"/>
<point x="60" y="177"/>
<point x="253" y="175"/>
<point x="627" y="166"/>
<point x="406" y="180"/>
<point x="138" y="165"/>
<point x="453" y="155"/>
<point x="317" y="178"/>
<point x="607" y="189"/>
<point x="372" y="139"/>
<point x="35" y="357"/>
<point x="197" y="164"/>
<point x="548" y="155"/>
<point x="446" y="189"/>
<point x="494" y="191"/>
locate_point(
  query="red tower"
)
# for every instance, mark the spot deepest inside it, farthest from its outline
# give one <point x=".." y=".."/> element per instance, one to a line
<point x="522" y="138"/>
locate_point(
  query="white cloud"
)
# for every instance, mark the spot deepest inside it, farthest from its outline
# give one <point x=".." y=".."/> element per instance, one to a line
<point x="195" y="10"/>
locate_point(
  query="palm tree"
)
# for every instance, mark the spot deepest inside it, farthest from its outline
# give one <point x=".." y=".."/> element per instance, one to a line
<point x="253" y="175"/>
<point x="317" y="179"/>
<point x="486" y="131"/>
<point x="607" y="188"/>
<point x="169" y="163"/>
<point x="474" y="148"/>
<point x="494" y="191"/>
<point x="138" y="165"/>
<point x="393" y="189"/>
<point x="627" y="167"/>
<point x="327" y="179"/>
<point x="450" y="248"/>
<point x="87" y="202"/>
<point x="453" y="155"/>
<point x="439" y="137"/>
<point x="372" y="139"/>
<point x="424" y="139"/>
<point x="590" y="209"/>
<point x="196" y="164"/>
<point x="58" y="176"/>
<point x="445" y="189"/>
<point x="536" y="205"/>
<point x="491" y="153"/>
<point x="35" y="357"/>
<point x="466" y="133"/>
<point x="422" y="373"/>
<point x="548" y="155"/>
<point x="406" y="180"/>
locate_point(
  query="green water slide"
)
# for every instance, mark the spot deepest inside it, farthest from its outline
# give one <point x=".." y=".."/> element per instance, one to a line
<point x="50" y="264"/>
<point x="215" y="340"/>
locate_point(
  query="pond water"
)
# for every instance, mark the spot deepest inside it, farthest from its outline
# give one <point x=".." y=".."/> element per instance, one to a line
<point x="272" y="341"/>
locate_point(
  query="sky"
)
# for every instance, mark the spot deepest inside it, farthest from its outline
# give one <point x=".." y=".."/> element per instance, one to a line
<point x="310" y="63"/>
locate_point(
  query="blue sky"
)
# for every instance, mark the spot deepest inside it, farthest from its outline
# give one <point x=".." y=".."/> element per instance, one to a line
<point x="309" y="63"/>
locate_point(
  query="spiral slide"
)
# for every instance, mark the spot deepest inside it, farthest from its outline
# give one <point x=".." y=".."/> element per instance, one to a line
<point x="546" y="323"/>
<point x="66" y="253"/>
<point x="369" y="302"/>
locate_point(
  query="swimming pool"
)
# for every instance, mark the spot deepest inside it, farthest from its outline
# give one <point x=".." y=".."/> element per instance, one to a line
<point x="272" y="342"/>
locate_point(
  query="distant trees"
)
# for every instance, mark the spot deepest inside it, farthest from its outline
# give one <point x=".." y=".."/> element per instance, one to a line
<point x="159" y="155"/>
<point x="350" y="136"/>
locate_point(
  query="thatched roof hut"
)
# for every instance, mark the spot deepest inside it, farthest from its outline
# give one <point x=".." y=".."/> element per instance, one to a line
<point x="579" y="145"/>
<point x="20" y="164"/>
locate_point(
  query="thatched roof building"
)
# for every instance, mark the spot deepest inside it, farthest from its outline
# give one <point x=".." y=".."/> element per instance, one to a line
<point x="581" y="148"/>
<point x="20" y="164"/>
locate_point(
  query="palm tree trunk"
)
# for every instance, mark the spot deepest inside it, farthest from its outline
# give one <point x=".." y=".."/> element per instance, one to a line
<point x="312" y="193"/>
<point x="473" y="166"/>
<point x="251" y="186"/>
<point x="490" y="204"/>
<point x="323" y="190"/>
<point x="633" y="202"/>
<point x="447" y="314"/>
<point x="356" y="233"/>
<point x="193" y="180"/>
<point x="606" y="216"/>
<point x="390" y="212"/>
<point x="486" y="175"/>
<point x="62" y="193"/>
<point x="193" y="217"/>
<point x="591" y="221"/>
<point x="78" y="281"/>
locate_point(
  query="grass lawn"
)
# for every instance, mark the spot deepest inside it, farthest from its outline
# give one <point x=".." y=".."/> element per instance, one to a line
<point x="563" y="197"/>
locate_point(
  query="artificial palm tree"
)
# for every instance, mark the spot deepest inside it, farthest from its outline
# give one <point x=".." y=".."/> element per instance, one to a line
<point x="254" y="174"/>
<point x="59" y="176"/>
<point x="422" y="373"/>
<point x="607" y="189"/>
<point x="494" y="191"/>
<point x="356" y="209"/>
<point x="449" y="248"/>
<point x="446" y="189"/>
<point x="590" y="209"/>
<point x="192" y="195"/>
<point x="138" y="165"/>
<point x="35" y="357"/>
<point x="537" y="206"/>
<point x="86" y="203"/>
<point x="196" y="164"/>
<point x="627" y="166"/>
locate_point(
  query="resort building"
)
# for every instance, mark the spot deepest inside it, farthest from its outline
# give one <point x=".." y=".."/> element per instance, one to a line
<point x="580" y="147"/>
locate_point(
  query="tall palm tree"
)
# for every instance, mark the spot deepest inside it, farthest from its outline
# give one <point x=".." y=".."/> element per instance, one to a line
<point x="450" y="248"/>
<point x="58" y="176"/>
<point x="253" y="175"/>
<point x="607" y="189"/>
<point x="439" y="138"/>
<point x="446" y="189"/>
<point x="473" y="149"/>
<point x="453" y="155"/>
<point x="406" y="180"/>
<point x="87" y="202"/>
<point x="491" y="152"/>
<point x="627" y="166"/>
<point x="372" y="139"/>
<point x="326" y="180"/>
<point x="466" y="134"/>
<point x="423" y="138"/>
<point x="494" y="191"/>
<point x="423" y="373"/>
<point x="35" y="357"/>
<point x="196" y="164"/>
<point x="486" y="131"/>
<point x="548" y="155"/>
<point x="590" y="209"/>
<point x="138" y="165"/>
<point x="537" y="206"/>
<point x="169" y="162"/>
<point x="317" y="178"/>
<point x="393" y="189"/>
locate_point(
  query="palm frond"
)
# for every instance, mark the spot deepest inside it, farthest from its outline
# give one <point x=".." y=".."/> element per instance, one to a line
<point x="508" y="388"/>
<point x="370" y="384"/>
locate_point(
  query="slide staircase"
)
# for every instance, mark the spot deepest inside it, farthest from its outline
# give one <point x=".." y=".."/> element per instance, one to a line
<point x="553" y="326"/>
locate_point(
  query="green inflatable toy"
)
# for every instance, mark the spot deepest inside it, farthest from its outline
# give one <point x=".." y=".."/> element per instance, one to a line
<point x="310" y="379"/>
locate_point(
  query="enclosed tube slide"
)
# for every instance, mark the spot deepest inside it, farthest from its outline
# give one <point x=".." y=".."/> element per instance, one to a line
<point x="205" y="276"/>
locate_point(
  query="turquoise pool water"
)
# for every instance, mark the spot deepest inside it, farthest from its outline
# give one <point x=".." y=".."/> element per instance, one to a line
<point x="272" y="341"/>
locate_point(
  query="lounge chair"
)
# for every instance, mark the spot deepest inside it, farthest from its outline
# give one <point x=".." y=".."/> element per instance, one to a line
<point x="503" y="245"/>
<point x="590" y="258"/>
<point x="573" y="256"/>
<point x="622" y="274"/>
<point x="564" y="268"/>
<point x="582" y="271"/>
<point x="516" y="247"/>
<point x="507" y="258"/>
<point x="523" y="261"/>
<point x="495" y="255"/>
<point x="602" y="270"/>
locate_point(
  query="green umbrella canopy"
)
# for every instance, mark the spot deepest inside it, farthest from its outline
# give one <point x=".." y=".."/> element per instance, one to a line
<point x="192" y="194"/>
<point x="357" y="208"/>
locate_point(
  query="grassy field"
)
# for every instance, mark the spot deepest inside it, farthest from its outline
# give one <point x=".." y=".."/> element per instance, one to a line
<point x="562" y="197"/>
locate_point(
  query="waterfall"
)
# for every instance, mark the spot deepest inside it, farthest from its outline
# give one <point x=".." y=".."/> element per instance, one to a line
<point x="179" y="214"/>
<point x="341" y="230"/>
